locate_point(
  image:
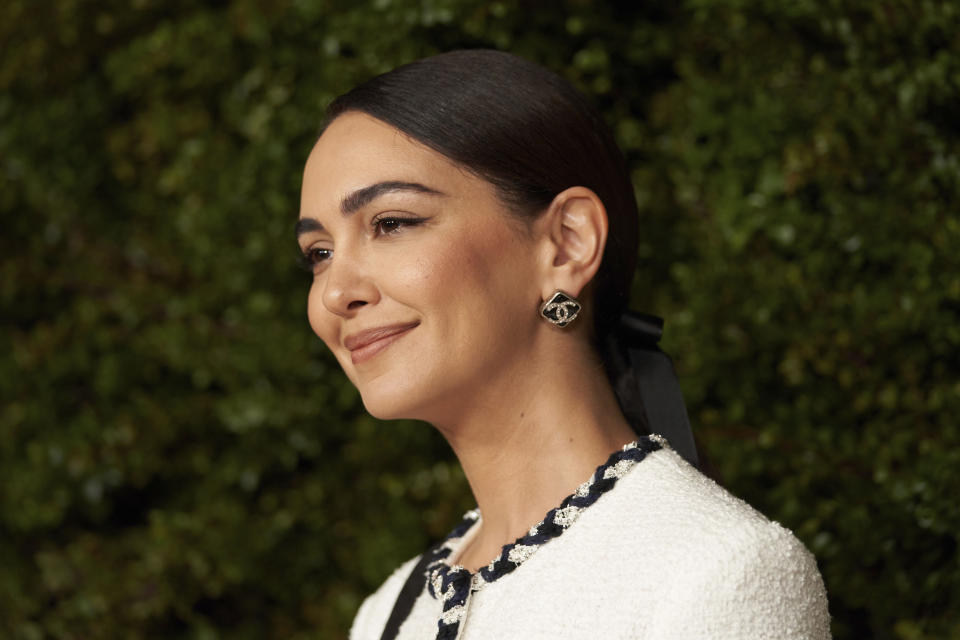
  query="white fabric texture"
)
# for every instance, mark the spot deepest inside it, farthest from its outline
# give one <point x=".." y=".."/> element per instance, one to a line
<point x="667" y="553"/>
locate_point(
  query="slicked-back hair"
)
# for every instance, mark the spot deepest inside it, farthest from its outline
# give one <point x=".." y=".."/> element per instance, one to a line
<point x="525" y="130"/>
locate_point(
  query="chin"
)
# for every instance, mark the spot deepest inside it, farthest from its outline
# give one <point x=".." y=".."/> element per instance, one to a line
<point x="388" y="404"/>
<point x="401" y="400"/>
<point x="383" y="411"/>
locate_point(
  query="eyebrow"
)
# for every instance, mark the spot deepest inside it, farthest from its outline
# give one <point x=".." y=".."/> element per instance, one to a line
<point x="306" y="225"/>
<point x="364" y="196"/>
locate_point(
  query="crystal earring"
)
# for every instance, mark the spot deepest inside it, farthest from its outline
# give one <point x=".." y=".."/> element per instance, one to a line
<point x="561" y="309"/>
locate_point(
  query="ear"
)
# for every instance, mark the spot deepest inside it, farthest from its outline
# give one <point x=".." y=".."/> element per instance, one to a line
<point x="574" y="236"/>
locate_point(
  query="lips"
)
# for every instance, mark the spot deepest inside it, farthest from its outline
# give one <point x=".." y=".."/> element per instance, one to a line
<point x="366" y="344"/>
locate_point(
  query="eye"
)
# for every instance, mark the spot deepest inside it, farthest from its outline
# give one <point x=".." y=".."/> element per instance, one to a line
<point x="313" y="257"/>
<point x="388" y="225"/>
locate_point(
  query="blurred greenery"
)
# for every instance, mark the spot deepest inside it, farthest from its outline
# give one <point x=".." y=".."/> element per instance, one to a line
<point x="180" y="457"/>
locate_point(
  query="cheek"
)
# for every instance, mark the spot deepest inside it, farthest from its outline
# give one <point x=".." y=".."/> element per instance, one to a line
<point x="426" y="275"/>
<point x="321" y="321"/>
<point x="447" y="273"/>
<point x="476" y="275"/>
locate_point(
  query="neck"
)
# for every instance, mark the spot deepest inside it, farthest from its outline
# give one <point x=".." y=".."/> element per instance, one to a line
<point x="529" y="439"/>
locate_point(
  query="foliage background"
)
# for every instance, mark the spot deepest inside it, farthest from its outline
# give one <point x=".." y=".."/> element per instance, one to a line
<point x="180" y="458"/>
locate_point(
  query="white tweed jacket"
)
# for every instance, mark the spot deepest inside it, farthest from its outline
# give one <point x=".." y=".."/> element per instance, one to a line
<point x="666" y="553"/>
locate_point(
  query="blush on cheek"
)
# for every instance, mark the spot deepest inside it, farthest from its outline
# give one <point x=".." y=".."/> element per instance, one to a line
<point x="440" y="268"/>
<point x="472" y="259"/>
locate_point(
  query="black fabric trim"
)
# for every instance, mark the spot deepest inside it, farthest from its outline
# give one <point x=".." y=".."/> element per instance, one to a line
<point x="411" y="590"/>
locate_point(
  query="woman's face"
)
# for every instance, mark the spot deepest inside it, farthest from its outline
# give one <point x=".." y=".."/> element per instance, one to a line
<point x="424" y="288"/>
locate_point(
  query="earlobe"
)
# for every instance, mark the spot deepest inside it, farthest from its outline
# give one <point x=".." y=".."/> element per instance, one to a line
<point x="577" y="234"/>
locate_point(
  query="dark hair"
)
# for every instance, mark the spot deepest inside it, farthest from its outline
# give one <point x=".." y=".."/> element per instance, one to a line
<point x="527" y="131"/>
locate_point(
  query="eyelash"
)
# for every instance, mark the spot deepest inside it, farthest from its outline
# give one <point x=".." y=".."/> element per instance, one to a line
<point x="377" y="224"/>
<point x="311" y="258"/>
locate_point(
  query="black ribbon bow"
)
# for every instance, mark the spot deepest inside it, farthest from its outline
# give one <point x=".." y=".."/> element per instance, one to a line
<point x="660" y="405"/>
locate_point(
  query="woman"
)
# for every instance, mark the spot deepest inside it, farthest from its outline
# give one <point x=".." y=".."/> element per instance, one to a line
<point x="471" y="229"/>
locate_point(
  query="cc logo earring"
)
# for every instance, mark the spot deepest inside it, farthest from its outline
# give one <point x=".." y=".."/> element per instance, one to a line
<point x="561" y="309"/>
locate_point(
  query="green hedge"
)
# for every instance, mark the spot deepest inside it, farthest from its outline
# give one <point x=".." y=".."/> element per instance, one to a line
<point x="179" y="457"/>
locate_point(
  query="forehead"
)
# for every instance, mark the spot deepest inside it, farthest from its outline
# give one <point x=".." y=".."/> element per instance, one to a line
<point x="357" y="150"/>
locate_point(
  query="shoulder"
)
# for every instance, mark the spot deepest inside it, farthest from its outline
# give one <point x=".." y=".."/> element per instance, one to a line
<point x="681" y="499"/>
<point x="755" y="581"/>
<point x="373" y="613"/>
<point x="721" y="568"/>
<point x="668" y="498"/>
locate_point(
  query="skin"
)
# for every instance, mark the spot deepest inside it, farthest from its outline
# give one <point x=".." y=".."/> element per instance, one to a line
<point x="454" y="280"/>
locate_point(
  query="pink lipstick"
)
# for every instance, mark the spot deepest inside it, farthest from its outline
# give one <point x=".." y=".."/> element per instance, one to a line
<point x="366" y="344"/>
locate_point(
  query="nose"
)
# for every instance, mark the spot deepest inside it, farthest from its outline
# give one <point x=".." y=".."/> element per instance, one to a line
<point x="349" y="285"/>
